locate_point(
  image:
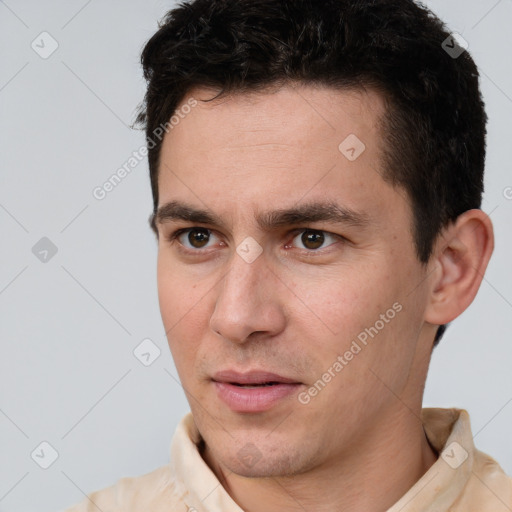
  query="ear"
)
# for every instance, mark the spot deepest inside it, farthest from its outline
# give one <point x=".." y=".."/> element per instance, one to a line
<point x="457" y="266"/>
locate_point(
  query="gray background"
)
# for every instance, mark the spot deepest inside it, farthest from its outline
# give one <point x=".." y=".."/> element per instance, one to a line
<point x="69" y="325"/>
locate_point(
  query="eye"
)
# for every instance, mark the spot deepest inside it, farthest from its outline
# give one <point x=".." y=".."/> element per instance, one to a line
<point x="313" y="239"/>
<point x="193" y="238"/>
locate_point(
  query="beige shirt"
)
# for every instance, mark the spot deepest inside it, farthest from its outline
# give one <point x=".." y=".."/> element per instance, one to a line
<point x="463" y="479"/>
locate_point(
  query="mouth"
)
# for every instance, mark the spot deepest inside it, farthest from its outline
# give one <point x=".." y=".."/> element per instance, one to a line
<point x="251" y="386"/>
<point x="254" y="391"/>
<point x="255" y="378"/>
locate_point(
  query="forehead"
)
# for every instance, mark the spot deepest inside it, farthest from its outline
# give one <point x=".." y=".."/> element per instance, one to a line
<point x="276" y="148"/>
<point x="291" y="112"/>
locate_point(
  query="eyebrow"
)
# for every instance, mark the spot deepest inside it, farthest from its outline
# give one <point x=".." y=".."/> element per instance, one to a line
<point x="304" y="214"/>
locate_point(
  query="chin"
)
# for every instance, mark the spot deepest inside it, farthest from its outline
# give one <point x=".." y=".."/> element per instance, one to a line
<point x="251" y="462"/>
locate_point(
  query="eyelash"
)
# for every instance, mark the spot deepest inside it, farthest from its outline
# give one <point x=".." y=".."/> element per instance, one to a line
<point x="174" y="235"/>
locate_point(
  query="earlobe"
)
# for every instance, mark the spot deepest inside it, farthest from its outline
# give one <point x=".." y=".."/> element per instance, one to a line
<point x="460" y="258"/>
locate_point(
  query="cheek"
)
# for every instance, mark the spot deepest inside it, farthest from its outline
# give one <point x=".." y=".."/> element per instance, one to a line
<point x="179" y="291"/>
<point x="357" y="339"/>
<point x="180" y="302"/>
<point x="359" y="315"/>
<point x="343" y="301"/>
<point x="168" y="284"/>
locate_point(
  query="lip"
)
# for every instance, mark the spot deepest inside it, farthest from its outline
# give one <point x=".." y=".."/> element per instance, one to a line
<point x="259" y="399"/>
<point x="251" y="377"/>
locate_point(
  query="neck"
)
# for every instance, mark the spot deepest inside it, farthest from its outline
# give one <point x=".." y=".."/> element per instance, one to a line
<point x="379" y="467"/>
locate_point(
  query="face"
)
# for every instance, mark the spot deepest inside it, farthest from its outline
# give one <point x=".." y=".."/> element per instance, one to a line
<point x="285" y="257"/>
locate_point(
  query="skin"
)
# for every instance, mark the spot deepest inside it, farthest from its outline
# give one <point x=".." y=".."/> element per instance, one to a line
<point x="295" y="308"/>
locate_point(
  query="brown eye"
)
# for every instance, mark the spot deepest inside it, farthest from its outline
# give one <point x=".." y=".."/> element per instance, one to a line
<point x="312" y="239"/>
<point x="198" y="237"/>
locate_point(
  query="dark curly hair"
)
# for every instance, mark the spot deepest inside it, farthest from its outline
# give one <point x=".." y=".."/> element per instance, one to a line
<point x="434" y="129"/>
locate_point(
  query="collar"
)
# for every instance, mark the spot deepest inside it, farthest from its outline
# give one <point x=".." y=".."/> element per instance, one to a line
<point x="448" y="431"/>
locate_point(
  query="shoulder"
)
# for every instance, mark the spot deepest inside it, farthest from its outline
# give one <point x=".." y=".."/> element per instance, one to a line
<point x="157" y="491"/>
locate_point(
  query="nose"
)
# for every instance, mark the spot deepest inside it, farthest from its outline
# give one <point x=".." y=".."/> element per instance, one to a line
<point x="247" y="301"/>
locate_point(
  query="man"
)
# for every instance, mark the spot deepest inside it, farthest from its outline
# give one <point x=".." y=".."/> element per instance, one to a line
<point x="317" y="196"/>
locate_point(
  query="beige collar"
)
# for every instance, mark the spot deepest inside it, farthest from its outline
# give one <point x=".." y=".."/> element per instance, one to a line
<point x="448" y="431"/>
